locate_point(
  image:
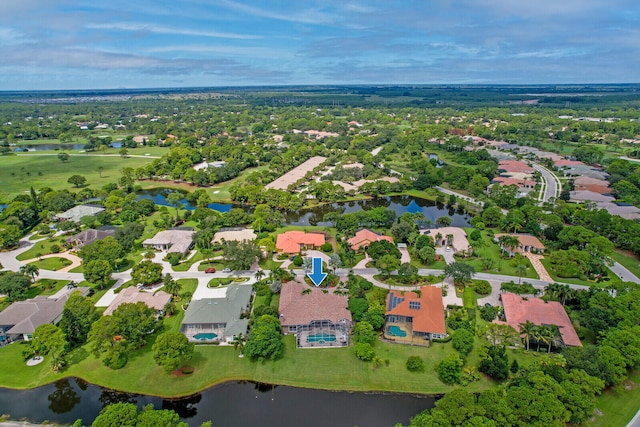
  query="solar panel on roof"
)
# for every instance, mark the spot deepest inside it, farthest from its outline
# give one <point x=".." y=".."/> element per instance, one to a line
<point x="414" y="305"/>
<point x="394" y="300"/>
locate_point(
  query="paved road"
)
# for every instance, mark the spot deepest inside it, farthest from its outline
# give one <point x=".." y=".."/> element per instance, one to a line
<point x="553" y="187"/>
<point x="624" y="274"/>
<point x="635" y="421"/>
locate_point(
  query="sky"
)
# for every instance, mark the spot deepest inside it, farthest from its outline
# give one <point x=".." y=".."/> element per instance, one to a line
<point x="103" y="44"/>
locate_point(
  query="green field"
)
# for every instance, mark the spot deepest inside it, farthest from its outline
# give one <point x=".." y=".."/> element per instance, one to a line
<point x="19" y="173"/>
<point x="619" y="406"/>
<point x="53" y="263"/>
<point x="216" y="364"/>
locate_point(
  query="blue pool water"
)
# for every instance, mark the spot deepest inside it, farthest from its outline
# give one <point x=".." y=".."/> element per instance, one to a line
<point x="396" y="331"/>
<point x="205" y="336"/>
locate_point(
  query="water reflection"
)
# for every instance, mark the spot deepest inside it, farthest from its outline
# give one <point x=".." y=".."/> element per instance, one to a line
<point x="186" y="407"/>
<point x="229" y="405"/>
<point x="64" y="398"/>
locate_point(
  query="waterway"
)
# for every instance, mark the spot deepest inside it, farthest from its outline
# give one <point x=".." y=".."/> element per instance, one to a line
<point x="230" y="404"/>
<point x="315" y="216"/>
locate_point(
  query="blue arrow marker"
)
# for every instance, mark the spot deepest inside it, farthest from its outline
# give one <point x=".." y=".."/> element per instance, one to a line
<point x="316" y="275"/>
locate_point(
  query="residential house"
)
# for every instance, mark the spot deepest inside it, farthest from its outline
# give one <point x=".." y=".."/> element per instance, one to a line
<point x="412" y="318"/>
<point x="173" y="240"/>
<point x="20" y="319"/>
<point x="234" y="234"/>
<point x="218" y="319"/>
<point x="318" y="319"/>
<point x="131" y="295"/>
<point x="293" y="242"/>
<point x="518" y="310"/>
<point x="77" y="212"/>
<point x="364" y="238"/>
<point x="89" y="236"/>
<point x="526" y="243"/>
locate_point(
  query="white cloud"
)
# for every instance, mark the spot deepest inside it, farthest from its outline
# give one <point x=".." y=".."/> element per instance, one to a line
<point x="143" y="27"/>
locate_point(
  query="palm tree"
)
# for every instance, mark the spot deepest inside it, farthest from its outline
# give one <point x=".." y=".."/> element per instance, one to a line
<point x="508" y="241"/>
<point x="449" y="239"/>
<point x="259" y="275"/>
<point x="547" y="334"/>
<point x="438" y="239"/>
<point x="172" y="286"/>
<point x="30" y="270"/>
<point x="238" y="343"/>
<point x="527" y="329"/>
<point x="521" y="270"/>
<point x="100" y="170"/>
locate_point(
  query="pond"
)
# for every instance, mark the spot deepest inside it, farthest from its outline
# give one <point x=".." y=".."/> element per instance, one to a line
<point x="315" y="216"/>
<point x="51" y="147"/>
<point x="230" y="404"/>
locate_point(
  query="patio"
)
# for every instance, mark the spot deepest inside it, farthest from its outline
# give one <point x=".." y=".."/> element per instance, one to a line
<point x="408" y="339"/>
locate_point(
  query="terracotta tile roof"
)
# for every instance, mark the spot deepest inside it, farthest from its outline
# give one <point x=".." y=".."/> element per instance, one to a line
<point x="514" y="181"/>
<point x="563" y="163"/>
<point x="517" y="311"/>
<point x="524" y="239"/>
<point x="428" y="314"/>
<point x="290" y="241"/>
<point x="298" y="309"/>
<point x="514" y="166"/>
<point x="364" y="237"/>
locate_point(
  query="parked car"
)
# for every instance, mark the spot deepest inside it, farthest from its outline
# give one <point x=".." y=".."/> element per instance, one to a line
<point x="448" y="249"/>
<point x="226" y="270"/>
<point x="210" y="270"/>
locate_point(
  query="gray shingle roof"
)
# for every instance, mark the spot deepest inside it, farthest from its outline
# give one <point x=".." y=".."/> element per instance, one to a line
<point x="23" y="317"/>
<point x="220" y="310"/>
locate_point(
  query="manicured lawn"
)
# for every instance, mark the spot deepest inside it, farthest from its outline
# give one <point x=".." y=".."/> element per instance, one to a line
<point x="269" y="264"/>
<point x="469" y="299"/>
<point x="19" y="173"/>
<point x="618" y="406"/>
<point x="215" y="364"/>
<point x="53" y="263"/>
<point x="631" y="263"/>
<point x="186" y="265"/>
<point x="41" y="248"/>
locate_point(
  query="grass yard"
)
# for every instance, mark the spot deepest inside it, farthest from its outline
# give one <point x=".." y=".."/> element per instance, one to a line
<point x="269" y="264"/>
<point x="216" y="364"/>
<point x="41" y="248"/>
<point x="53" y="263"/>
<point x="186" y="265"/>
<point x="19" y="173"/>
<point x="619" y="406"/>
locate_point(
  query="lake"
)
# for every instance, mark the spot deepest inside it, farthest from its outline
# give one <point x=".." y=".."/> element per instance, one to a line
<point x="230" y="404"/>
<point x="315" y="216"/>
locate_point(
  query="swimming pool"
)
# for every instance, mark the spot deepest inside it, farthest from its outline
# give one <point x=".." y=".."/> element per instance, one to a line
<point x="205" y="336"/>
<point x="396" y="331"/>
<point x="321" y="338"/>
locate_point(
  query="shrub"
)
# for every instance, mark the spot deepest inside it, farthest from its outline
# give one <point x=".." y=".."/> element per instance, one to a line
<point x="524" y="288"/>
<point x="55" y="249"/>
<point x="327" y="247"/>
<point x="449" y="369"/>
<point x="364" y="351"/>
<point x="488" y="313"/>
<point x="297" y="261"/>
<point x="463" y="341"/>
<point x="415" y="364"/>
<point x="482" y="287"/>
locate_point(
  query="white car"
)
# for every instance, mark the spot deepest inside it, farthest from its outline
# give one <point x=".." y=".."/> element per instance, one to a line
<point x="226" y="270"/>
<point x="448" y="249"/>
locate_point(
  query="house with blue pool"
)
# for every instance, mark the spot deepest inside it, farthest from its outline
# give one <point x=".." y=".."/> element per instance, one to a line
<point x="413" y="318"/>
<point x="218" y="319"/>
<point x="317" y="317"/>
